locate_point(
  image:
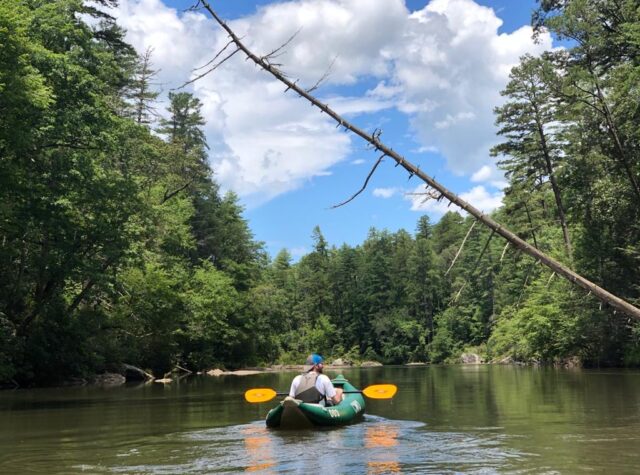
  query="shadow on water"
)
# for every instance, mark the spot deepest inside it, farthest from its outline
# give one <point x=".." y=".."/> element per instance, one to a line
<point x="374" y="446"/>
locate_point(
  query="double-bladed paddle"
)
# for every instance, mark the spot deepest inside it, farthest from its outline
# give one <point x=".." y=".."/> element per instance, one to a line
<point x="375" y="391"/>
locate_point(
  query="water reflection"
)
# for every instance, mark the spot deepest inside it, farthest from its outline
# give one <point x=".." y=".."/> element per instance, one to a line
<point x="383" y="436"/>
<point x="258" y="446"/>
<point x="481" y="420"/>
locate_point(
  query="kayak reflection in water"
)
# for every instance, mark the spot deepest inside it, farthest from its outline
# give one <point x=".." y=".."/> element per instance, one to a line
<point x="313" y="386"/>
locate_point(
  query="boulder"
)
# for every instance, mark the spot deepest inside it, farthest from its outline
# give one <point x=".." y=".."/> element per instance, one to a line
<point x="367" y="364"/>
<point x="109" y="379"/>
<point x="240" y="372"/>
<point x="504" y="360"/>
<point x="470" y="358"/>
<point x="571" y="362"/>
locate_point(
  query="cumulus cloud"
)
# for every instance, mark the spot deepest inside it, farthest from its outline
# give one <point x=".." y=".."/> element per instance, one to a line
<point x="490" y="175"/>
<point x="448" y="73"/>
<point x="385" y="192"/>
<point x="483" y="174"/>
<point x="443" y="65"/>
<point x="478" y="196"/>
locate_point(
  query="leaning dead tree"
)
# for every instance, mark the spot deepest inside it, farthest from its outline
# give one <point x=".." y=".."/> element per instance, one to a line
<point x="435" y="190"/>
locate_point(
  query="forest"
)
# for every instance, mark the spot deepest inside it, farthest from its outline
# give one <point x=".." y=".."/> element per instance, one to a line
<point x="118" y="246"/>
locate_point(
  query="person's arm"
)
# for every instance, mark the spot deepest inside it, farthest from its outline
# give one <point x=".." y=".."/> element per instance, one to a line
<point x="330" y="392"/>
<point x="294" y="386"/>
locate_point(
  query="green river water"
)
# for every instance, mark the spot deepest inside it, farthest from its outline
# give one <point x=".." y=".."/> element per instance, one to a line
<point x="444" y="419"/>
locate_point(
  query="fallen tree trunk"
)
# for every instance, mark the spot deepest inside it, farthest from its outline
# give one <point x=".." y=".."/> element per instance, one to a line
<point x="374" y="139"/>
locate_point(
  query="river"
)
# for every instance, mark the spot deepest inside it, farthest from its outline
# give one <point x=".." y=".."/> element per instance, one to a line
<point x="444" y="419"/>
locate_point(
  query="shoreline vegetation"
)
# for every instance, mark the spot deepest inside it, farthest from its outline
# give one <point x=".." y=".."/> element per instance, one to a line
<point x="118" y="245"/>
<point x="131" y="374"/>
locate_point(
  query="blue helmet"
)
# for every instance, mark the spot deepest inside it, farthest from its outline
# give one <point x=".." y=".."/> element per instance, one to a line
<point x="314" y="359"/>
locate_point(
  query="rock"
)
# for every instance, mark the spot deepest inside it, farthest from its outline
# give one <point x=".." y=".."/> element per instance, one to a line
<point x="367" y="364"/>
<point x="338" y="362"/>
<point x="74" y="382"/>
<point x="470" y="358"/>
<point x="131" y="373"/>
<point x="571" y="362"/>
<point x="505" y="360"/>
<point x="240" y="372"/>
<point x="109" y="379"/>
<point x="163" y="380"/>
<point x="417" y="363"/>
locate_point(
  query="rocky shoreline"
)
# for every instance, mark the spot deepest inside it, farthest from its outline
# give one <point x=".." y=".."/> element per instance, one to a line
<point x="130" y="374"/>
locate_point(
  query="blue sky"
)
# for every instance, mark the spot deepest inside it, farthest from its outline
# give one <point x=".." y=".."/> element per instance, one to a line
<point x="428" y="73"/>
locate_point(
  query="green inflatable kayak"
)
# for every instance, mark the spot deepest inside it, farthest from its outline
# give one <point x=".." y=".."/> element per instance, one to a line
<point x="294" y="414"/>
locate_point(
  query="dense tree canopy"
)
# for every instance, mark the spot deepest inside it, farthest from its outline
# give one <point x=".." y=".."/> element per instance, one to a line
<point x="117" y="245"/>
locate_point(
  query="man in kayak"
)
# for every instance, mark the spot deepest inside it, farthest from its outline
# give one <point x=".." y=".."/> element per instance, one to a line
<point x="313" y="386"/>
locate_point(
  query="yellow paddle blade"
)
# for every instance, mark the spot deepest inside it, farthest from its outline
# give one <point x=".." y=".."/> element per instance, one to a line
<point x="380" y="391"/>
<point x="260" y="395"/>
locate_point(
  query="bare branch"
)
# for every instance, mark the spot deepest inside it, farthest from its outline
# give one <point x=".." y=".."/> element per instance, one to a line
<point x="455" y="299"/>
<point x="324" y="77"/>
<point x="366" y="182"/>
<point x="168" y="195"/>
<point x="461" y="246"/>
<point x="428" y="195"/>
<point x="504" y="251"/>
<point x="210" y="70"/>
<point x="278" y="51"/>
<point x="214" y="58"/>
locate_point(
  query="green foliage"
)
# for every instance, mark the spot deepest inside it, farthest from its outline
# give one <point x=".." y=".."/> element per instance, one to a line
<point x="211" y="331"/>
<point x="117" y="245"/>
<point x="543" y="328"/>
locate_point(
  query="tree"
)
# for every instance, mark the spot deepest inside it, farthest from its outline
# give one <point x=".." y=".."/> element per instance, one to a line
<point x="527" y="122"/>
<point x="140" y="91"/>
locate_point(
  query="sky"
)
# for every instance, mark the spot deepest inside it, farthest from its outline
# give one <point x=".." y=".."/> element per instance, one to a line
<point x="427" y="73"/>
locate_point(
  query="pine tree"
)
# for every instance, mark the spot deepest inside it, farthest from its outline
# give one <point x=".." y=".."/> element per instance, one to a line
<point x="532" y="148"/>
<point x="140" y="93"/>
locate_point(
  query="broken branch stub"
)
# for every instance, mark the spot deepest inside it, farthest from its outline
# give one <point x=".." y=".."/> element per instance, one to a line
<point x="557" y="267"/>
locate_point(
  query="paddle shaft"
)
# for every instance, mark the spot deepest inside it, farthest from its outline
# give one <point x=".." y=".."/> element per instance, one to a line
<point x="375" y="391"/>
<point x="343" y="392"/>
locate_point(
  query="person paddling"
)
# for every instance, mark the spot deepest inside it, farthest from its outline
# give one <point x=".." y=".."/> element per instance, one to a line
<point x="313" y="386"/>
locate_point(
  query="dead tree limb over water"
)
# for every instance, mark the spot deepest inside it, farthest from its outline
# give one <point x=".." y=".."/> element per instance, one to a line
<point x="437" y="190"/>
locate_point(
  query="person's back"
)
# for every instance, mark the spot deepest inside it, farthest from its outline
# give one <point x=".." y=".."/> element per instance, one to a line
<point x="306" y="389"/>
<point x="314" y="387"/>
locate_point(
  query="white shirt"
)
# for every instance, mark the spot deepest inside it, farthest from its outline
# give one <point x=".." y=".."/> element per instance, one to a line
<point x="323" y="385"/>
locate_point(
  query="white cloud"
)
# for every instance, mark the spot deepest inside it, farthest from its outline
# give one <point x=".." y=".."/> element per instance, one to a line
<point x="490" y="175"/>
<point x="385" y="192"/>
<point x="483" y="174"/>
<point x="427" y="149"/>
<point x="478" y="196"/>
<point x="358" y="161"/>
<point x="447" y="75"/>
<point x="443" y="66"/>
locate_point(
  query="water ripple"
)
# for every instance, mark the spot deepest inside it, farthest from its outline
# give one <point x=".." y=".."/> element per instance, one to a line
<point x="375" y="446"/>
